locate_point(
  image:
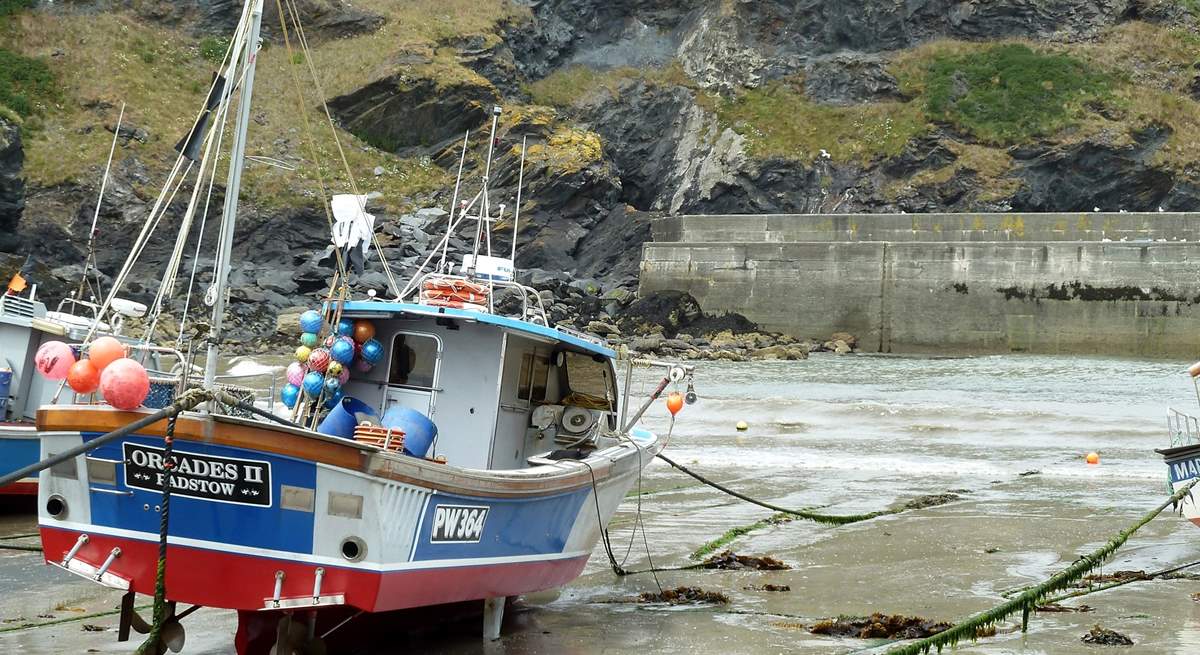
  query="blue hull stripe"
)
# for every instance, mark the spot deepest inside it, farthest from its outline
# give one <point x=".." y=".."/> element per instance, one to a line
<point x="18" y="453"/>
<point x="244" y="525"/>
<point x="512" y="527"/>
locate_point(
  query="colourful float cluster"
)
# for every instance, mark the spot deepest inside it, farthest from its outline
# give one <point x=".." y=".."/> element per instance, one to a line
<point x="122" y="382"/>
<point x="323" y="361"/>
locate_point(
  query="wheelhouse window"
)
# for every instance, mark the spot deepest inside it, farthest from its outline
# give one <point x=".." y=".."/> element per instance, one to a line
<point x="535" y="368"/>
<point x="414" y="361"/>
<point x="589" y="381"/>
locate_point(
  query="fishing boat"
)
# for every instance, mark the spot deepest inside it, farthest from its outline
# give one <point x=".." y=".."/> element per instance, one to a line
<point x="469" y="451"/>
<point x="1182" y="457"/>
<point x="25" y="325"/>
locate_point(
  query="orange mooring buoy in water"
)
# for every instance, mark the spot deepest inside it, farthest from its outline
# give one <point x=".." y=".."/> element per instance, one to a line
<point x="1093" y="459"/>
<point x="1194" y="370"/>
<point x="674" y="402"/>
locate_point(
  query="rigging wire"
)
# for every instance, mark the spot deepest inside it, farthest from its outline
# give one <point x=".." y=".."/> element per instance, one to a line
<point x="308" y="60"/>
<point x="90" y="265"/>
<point x="339" y="262"/>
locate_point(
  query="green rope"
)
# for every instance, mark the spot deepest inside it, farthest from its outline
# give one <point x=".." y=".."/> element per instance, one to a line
<point x="69" y="619"/>
<point x="827" y="519"/>
<point x="1030" y="599"/>
<point x="30" y="549"/>
<point x="151" y="645"/>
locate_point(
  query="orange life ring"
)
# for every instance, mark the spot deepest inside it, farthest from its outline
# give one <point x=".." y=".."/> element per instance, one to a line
<point x="453" y="293"/>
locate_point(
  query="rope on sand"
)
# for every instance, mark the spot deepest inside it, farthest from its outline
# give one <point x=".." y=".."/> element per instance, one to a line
<point x="1027" y="601"/>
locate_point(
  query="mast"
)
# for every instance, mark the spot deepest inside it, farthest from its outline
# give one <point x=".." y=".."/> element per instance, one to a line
<point x="232" y="189"/>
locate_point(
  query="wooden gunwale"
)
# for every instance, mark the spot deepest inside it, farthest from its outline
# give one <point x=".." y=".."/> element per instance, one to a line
<point x="333" y="451"/>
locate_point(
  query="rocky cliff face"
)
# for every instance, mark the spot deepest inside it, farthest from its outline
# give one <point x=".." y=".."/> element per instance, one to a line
<point x="629" y="109"/>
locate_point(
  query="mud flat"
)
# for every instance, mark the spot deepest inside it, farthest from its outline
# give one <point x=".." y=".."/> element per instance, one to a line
<point x="850" y="435"/>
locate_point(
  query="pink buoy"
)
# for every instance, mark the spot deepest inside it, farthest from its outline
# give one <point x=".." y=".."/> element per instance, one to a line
<point x="344" y="376"/>
<point x="295" y="373"/>
<point x="318" y="360"/>
<point x="124" y="384"/>
<point x="54" y="359"/>
<point x="362" y="366"/>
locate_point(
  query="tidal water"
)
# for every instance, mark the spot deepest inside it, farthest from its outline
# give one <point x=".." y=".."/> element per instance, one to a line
<point x="848" y="434"/>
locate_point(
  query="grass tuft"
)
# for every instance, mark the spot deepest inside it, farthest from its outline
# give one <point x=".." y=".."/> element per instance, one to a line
<point x="1011" y="93"/>
<point x="779" y="121"/>
<point x="26" y="83"/>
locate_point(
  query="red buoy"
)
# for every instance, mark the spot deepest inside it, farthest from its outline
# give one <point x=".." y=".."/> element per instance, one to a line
<point x="83" y="377"/>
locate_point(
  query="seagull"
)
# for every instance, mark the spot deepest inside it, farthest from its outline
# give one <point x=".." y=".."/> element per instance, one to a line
<point x="825" y="154"/>
<point x="1095" y="209"/>
<point x="1160" y="209"/>
<point x="1124" y="212"/>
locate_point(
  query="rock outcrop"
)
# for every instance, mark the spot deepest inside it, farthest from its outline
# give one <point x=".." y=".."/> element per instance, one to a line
<point x="12" y="186"/>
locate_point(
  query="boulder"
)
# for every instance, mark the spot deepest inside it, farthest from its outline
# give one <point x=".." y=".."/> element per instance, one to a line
<point x="603" y="329"/>
<point x="850" y="339"/>
<point x="287" y="322"/>
<point x="789" y="353"/>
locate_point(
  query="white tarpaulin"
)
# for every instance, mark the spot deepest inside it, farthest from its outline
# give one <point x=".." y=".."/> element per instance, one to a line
<point x="352" y="224"/>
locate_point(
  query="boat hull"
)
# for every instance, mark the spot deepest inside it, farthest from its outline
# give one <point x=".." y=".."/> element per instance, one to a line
<point x="19" y="447"/>
<point x="1183" y="466"/>
<point x="262" y="530"/>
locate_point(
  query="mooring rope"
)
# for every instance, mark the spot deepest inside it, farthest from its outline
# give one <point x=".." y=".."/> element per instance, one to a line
<point x="828" y="519"/>
<point x="1030" y="599"/>
<point x="151" y="645"/>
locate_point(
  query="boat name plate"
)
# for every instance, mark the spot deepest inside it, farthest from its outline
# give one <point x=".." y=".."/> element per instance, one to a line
<point x="207" y="477"/>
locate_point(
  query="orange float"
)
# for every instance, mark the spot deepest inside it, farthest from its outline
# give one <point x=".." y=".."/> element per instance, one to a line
<point x="674" y="402"/>
<point x="105" y="351"/>
<point x="1093" y="459"/>
<point x="83" y="377"/>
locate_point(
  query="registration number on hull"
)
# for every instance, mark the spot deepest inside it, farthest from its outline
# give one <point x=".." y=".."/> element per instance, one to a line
<point x="207" y="477"/>
<point x="458" y="524"/>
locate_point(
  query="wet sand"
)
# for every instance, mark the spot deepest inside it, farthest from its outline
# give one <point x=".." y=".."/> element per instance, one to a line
<point x="850" y="436"/>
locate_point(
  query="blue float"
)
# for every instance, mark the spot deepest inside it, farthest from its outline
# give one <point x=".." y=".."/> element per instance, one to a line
<point x="311" y="321"/>
<point x="372" y="351"/>
<point x="336" y="398"/>
<point x="313" y="384"/>
<point x="289" y="395"/>
<point x="332" y="385"/>
<point x="342" y="351"/>
<point x="345" y="416"/>
<point x="419" y="431"/>
<point x="345" y="327"/>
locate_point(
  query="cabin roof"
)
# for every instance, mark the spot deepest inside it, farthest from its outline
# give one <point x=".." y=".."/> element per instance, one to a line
<point x="506" y="322"/>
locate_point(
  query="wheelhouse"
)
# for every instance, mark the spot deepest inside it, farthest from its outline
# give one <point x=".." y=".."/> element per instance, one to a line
<point x="500" y="390"/>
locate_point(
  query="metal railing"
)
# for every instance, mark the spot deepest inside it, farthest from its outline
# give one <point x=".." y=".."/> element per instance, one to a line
<point x="1183" y="428"/>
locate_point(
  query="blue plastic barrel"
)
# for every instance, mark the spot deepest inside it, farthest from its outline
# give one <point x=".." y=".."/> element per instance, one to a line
<point x="344" y="417"/>
<point x="5" y="384"/>
<point x="419" y="431"/>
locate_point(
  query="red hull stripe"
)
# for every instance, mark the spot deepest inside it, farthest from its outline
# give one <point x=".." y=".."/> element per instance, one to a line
<point x="20" y="489"/>
<point x="235" y="581"/>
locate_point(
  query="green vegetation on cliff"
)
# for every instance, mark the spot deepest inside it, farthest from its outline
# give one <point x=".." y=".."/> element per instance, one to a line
<point x="25" y="83"/>
<point x="779" y="121"/>
<point x="108" y="58"/>
<point x="1010" y="93"/>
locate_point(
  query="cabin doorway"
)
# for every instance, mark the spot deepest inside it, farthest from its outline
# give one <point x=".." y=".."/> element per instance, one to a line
<point x="413" y="372"/>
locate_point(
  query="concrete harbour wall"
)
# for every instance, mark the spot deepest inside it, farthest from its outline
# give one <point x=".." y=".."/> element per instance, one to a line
<point x="947" y="283"/>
